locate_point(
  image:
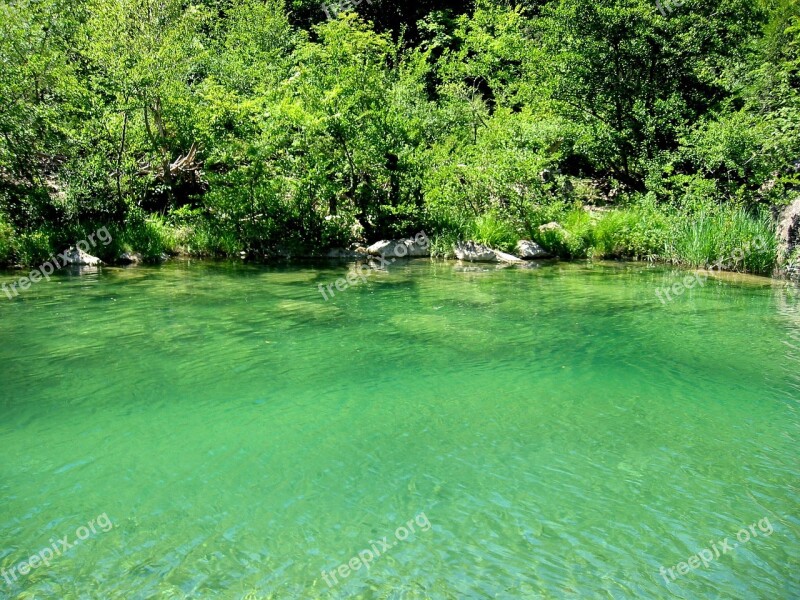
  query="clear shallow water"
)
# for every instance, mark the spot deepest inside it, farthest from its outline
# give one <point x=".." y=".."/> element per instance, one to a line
<point x="563" y="432"/>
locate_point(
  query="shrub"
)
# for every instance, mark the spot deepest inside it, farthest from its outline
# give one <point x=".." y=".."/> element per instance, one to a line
<point x="35" y="247"/>
<point x="572" y="239"/>
<point x="537" y="215"/>
<point x="6" y="242"/>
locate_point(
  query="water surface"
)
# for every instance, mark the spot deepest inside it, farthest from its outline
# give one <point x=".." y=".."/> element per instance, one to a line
<point x="563" y="433"/>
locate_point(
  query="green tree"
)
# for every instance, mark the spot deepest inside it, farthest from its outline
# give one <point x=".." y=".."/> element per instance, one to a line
<point x="148" y="55"/>
<point x="638" y="78"/>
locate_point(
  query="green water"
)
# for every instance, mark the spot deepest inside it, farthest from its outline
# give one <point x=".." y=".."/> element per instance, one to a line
<point x="556" y="432"/>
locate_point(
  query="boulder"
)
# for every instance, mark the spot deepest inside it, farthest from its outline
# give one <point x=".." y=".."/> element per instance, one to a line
<point x="788" y="230"/>
<point x="407" y="248"/>
<point x="508" y="258"/>
<point x="76" y="256"/>
<point x="472" y="252"/>
<point x="130" y="258"/>
<point x="529" y="250"/>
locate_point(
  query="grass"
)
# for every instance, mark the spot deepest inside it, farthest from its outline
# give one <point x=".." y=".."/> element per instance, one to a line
<point x="572" y="239"/>
<point x="442" y="243"/>
<point x="731" y="236"/>
<point x="150" y="236"/>
<point x="493" y="231"/>
<point x="640" y="232"/>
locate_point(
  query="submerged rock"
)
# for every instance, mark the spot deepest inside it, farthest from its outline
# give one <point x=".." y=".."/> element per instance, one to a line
<point x="473" y="252"/>
<point x="76" y="256"/>
<point x="738" y="278"/>
<point x="528" y="250"/>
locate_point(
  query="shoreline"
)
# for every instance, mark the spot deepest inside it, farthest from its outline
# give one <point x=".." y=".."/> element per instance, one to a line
<point x="317" y="261"/>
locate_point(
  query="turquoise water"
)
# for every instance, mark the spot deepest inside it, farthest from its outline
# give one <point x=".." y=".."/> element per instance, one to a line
<point x="222" y="431"/>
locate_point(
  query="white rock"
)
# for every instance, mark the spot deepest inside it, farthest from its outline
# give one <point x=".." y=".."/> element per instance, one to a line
<point x="407" y="248"/>
<point x="528" y="250"/>
<point x="472" y="252"/>
<point x="503" y="257"/>
<point x="76" y="256"/>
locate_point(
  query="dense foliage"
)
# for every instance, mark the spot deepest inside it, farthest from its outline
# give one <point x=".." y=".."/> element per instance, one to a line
<point x="222" y="126"/>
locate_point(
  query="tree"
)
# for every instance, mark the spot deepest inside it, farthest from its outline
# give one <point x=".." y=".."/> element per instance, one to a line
<point x="148" y="55"/>
<point x="636" y="77"/>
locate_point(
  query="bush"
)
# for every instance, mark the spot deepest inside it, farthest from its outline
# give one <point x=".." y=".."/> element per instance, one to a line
<point x="34" y="247"/>
<point x="537" y="215"/>
<point x="6" y="242"/>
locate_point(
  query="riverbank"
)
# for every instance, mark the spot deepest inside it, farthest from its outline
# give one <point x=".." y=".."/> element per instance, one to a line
<point x="720" y="238"/>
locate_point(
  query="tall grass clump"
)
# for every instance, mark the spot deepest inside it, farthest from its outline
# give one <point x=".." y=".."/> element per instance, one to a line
<point x="636" y="232"/>
<point x="442" y="243"/>
<point x="571" y="239"/>
<point x="493" y="231"/>
<point x="151" y="236"/>
<point x="444" y="229"/>
<point x="197" y="235"/>
<point x="729" y="236"/>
